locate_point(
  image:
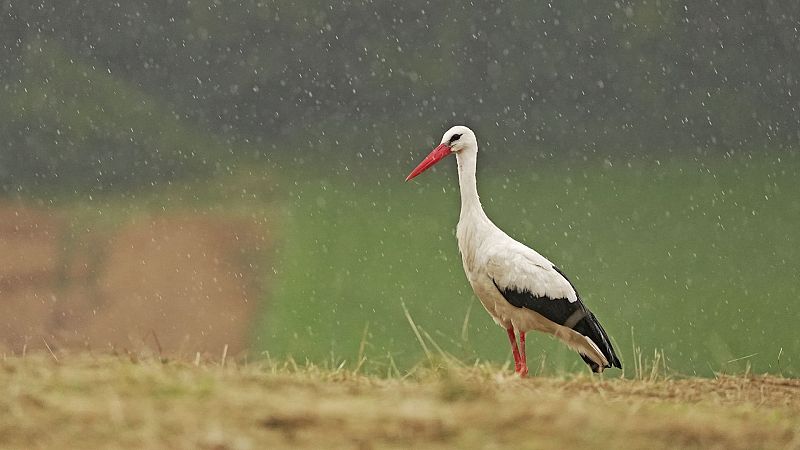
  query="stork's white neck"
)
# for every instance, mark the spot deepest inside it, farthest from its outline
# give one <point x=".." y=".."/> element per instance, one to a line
<point x="467" y="163"/>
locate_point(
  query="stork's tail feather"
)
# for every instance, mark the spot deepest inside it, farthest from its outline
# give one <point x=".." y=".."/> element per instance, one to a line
<point x="591" y="329"/>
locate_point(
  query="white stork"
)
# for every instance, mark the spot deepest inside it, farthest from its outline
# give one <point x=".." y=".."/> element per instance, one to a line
<point x="521" y="289"/>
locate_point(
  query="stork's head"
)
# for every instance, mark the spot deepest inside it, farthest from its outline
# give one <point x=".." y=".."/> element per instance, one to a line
<point x="455" y="140"/>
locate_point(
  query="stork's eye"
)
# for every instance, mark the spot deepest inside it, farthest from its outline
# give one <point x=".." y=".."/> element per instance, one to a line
<point x="454" y="138"/>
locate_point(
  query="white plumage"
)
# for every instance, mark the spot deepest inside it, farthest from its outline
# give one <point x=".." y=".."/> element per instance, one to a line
<point x="521" y="289"/>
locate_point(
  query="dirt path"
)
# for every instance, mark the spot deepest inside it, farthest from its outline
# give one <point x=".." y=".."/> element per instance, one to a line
<point x="175" y="284"/>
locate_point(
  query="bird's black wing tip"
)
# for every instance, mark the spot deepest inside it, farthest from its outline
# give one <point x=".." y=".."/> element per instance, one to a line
<point x="596" y="367"/>
<point x="614" y="363"/>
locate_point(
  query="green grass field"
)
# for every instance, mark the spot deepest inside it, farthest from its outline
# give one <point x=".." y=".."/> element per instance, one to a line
<point x="696" y="259"/>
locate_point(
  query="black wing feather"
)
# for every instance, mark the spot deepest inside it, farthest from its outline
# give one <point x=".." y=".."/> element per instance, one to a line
<point x="573" y="315"/>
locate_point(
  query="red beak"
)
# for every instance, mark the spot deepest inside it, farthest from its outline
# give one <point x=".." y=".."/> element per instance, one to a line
<point x="435" y="156"/>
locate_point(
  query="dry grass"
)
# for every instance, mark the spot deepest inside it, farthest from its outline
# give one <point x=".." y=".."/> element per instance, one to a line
<point x="85" y="401"/>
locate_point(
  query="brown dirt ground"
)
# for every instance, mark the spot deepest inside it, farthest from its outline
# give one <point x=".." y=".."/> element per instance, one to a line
<point x="174" y="284"/>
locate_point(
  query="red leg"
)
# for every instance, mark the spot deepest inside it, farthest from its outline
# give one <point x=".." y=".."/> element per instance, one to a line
<point x="523" y="372"/>
<point x="517" y="359"/>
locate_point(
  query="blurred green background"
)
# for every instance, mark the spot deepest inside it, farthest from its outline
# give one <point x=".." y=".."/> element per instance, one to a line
<point x="648" y="148"/>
